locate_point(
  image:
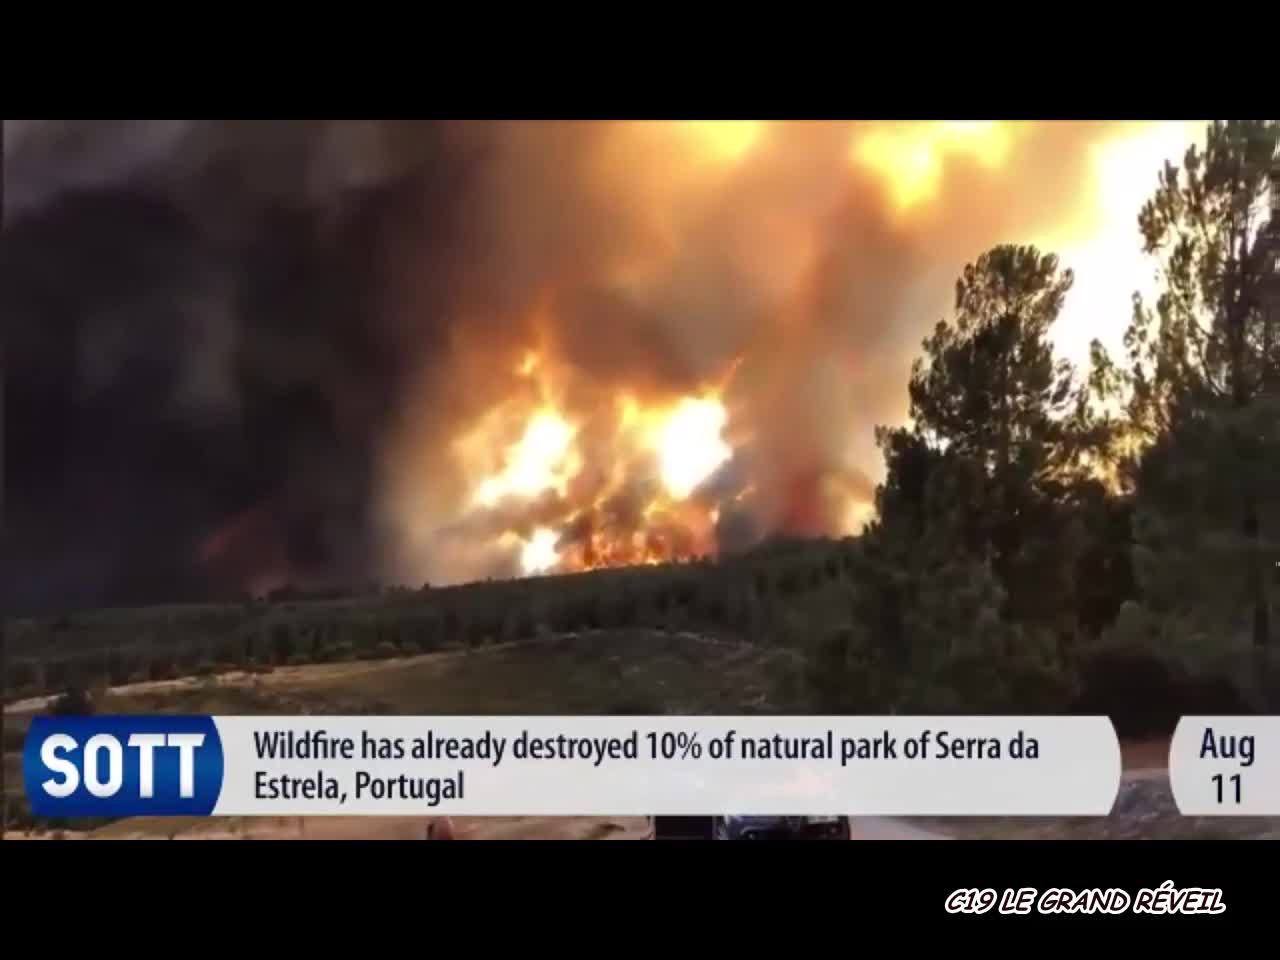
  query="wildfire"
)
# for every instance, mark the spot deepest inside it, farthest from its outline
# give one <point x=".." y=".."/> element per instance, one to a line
<point x="909" y="157"/>
<point x="690" y="445"/>
<point x="617" y="488"/>
<point x="520" y="370"/>
<point x="541" y="460"/>
<point x="528" y="363"/>
<point x="539" y="554"/>
<point x="572" y="418"/>
<point x="726" y="140"/>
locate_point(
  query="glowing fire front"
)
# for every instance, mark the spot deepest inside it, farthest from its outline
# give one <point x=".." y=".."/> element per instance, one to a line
<point x="640" y="508"/>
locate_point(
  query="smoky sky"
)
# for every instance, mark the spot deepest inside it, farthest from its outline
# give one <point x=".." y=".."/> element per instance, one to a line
<point x="237" y="353"/>
<point x="198" y="363"/>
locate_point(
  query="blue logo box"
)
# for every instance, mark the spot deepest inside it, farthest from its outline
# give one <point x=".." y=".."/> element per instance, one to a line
<point x="123" y="766"/>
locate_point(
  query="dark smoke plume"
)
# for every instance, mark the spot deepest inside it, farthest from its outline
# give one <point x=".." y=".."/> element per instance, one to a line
<point x="199" y="367"/>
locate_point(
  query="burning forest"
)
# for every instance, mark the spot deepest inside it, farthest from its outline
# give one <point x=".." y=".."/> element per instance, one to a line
<point x="245" y="354"/>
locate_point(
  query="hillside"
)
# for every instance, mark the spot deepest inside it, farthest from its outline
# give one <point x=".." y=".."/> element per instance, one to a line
<point x="755" y="596"/>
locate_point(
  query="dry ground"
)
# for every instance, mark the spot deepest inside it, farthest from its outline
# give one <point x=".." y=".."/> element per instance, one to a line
<point x="413" y="828"/>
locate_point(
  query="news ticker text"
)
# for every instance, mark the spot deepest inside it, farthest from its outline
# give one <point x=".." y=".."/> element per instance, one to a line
<point x="628" y="766"/>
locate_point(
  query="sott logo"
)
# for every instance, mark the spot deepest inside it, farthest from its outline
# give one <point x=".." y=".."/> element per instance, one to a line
<point x="122" y="766"/>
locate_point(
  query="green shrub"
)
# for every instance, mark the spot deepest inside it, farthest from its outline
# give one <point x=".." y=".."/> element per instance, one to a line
<point x="985" y="683"/>
<point x="1144" y="690"/>
<point x="22" y="676"/>
<point x="74" y="702"/>
<point x="1214" y="695"/>
<point x="847" y="673"/>
<point x="57" y="673"/>
<point x="636" y="705"/>
<point x="282" y="643"/>
<point x="162" y="668"/>
<point x="229" y="651"/>
<point x="190" y="658"/>
<point x="1133" y="685"/>
<point x="18" y="812"/>
<point x="304" y="640"/>
<point x="14" y="739"/>
<point x="118" y="670"/>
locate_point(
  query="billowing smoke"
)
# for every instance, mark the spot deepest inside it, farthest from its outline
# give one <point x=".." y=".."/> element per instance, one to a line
<point x="240" y="354"/>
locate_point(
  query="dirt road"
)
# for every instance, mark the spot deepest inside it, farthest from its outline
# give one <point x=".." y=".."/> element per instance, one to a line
<point x="890" y="828"/>
<point x="413" y="828"/>
<point x="364" y="828"/>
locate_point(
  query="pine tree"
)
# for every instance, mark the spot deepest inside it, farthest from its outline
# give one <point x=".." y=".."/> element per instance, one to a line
<point x="1204" y="370"/>
<point x="1004" y="429"/>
